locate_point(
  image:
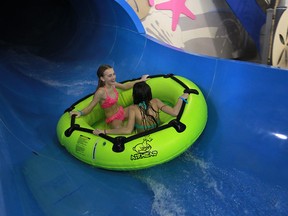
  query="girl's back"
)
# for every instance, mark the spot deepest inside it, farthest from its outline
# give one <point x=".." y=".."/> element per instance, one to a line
<point x="146" y="115"/>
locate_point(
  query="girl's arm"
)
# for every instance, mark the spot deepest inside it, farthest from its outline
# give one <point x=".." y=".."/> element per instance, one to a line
<point x="123" y="130"/>
<point x="129" y="85"/>
<point x="96" y="98"/>
<point x="171" y="110"/>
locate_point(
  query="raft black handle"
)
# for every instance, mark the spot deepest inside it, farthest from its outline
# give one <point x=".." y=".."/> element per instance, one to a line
<point x="191" y="91"/>
<point x="179" y="126"/>
<point x="72" y="127"/>
<point x="118" y="144"/>
<point x="70" y="130"/>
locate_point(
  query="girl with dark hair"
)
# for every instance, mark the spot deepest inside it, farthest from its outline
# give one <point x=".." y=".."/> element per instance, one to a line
<point x="144" y="114"/>
<point x="107" y="95"/>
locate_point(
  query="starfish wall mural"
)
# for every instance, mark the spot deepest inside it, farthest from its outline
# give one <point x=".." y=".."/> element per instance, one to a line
<point x="177" y="7"/>
<point x="195" y="26"/>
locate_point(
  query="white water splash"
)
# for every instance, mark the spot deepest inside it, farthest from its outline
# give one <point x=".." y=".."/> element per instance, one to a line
<point x="165" y="202"/>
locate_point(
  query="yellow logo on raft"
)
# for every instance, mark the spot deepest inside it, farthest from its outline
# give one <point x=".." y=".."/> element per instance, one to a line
<point x="143" y="149"/>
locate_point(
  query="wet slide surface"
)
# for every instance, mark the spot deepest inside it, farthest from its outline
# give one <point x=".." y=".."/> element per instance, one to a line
<point x="237" y="167"/>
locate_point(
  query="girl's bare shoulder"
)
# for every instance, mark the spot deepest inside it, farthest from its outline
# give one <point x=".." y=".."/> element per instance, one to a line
<point x="100" y="92"/>
<point x="133" y="107"/>
<point x="155" y="100"/>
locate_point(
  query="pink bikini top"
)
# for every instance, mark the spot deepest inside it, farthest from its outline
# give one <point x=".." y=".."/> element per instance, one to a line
<point x="109" y="101"/>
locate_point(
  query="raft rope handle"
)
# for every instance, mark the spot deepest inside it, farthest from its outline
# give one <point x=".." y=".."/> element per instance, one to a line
<point x="191" y="91"/>
<point x="74" y="127"/>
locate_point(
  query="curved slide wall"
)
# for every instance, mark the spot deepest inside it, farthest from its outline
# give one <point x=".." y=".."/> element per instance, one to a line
<point x="238" y="166"/>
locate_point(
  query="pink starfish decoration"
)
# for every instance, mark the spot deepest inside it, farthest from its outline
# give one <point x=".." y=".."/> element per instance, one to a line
<point x="151" y="2"/>
<point x="177" y="7"/>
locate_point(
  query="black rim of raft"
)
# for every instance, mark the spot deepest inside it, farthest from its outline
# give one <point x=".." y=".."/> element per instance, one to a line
<point x="119" y="141"/>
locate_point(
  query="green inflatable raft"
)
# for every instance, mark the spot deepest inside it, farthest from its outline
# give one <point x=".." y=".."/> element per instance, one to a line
<point x="142" y="150"/>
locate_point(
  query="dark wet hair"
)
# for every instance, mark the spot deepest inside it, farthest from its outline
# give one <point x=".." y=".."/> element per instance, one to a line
<point x="100" y="73"/>
<point x="141" y="92"/>
<point x="142" y="95"/>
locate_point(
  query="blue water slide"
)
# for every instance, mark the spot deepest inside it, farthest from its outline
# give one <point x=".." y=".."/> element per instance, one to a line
<point x="49" y="54"/>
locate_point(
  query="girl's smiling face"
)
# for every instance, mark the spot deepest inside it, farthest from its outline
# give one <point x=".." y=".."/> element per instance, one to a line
<point x="109" y="77"/>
